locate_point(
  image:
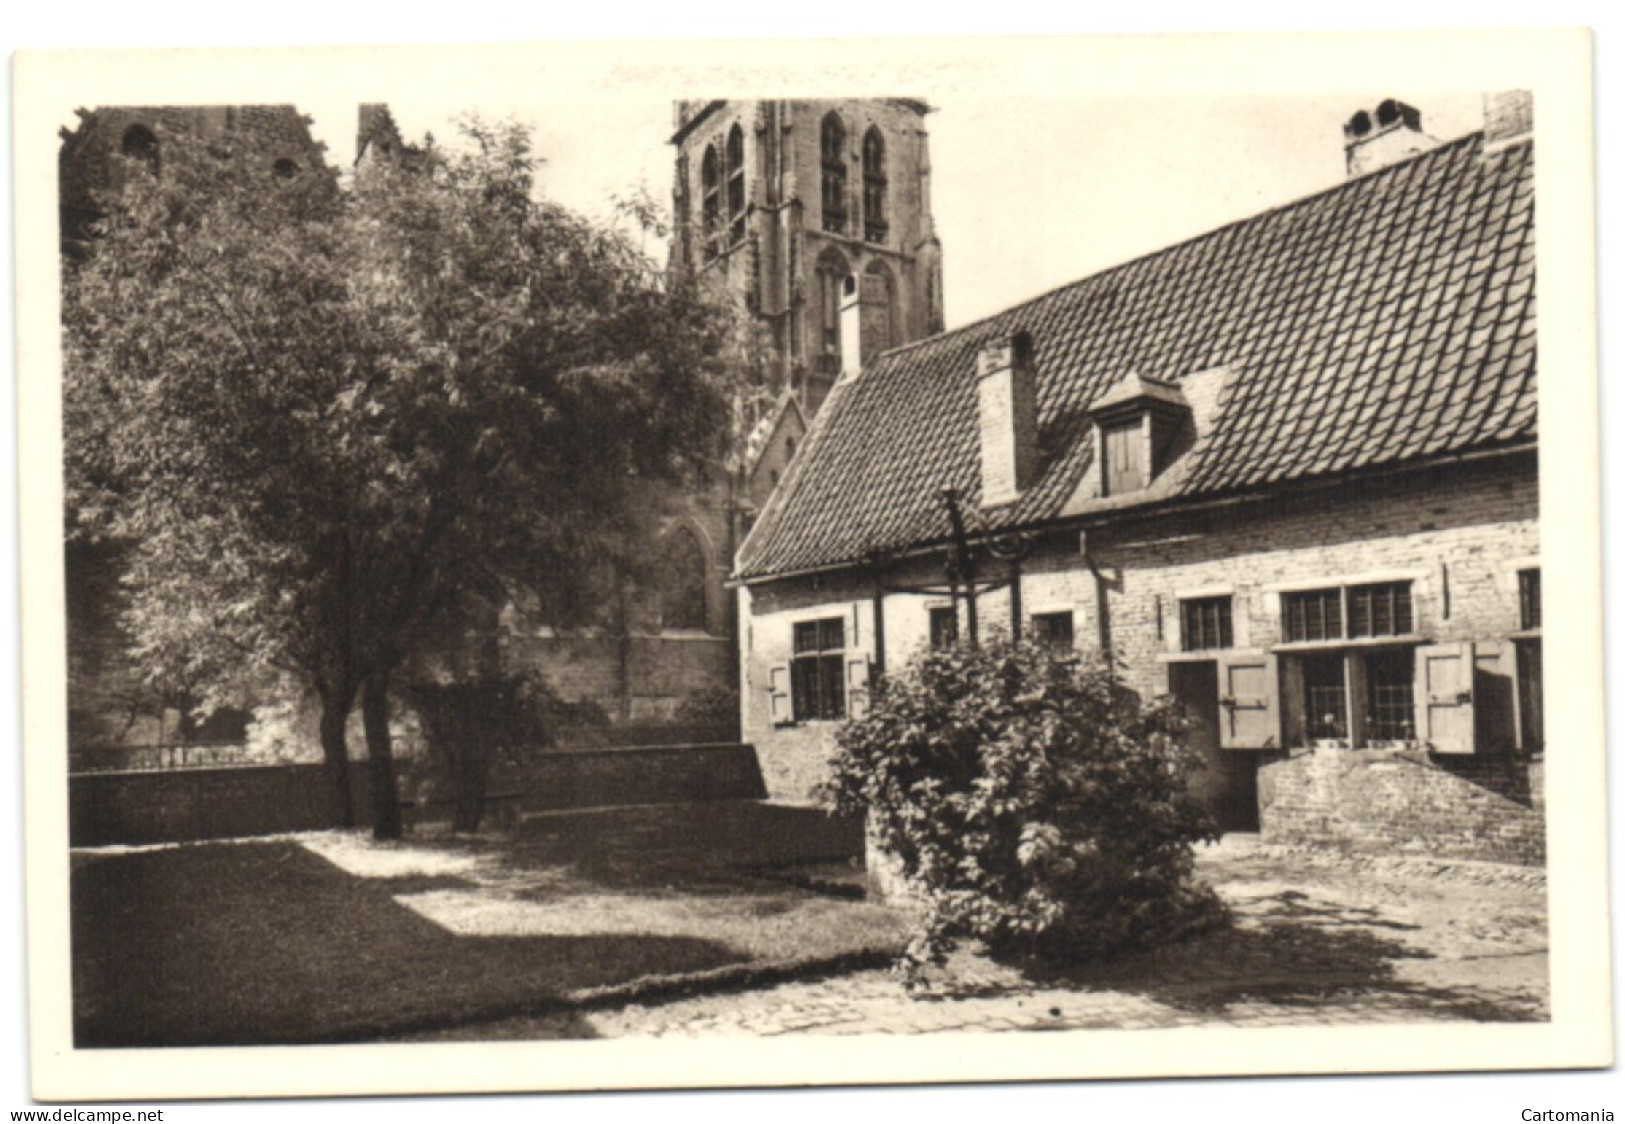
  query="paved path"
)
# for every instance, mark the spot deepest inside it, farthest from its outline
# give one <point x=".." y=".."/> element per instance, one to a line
<point x="1320" y="939"/>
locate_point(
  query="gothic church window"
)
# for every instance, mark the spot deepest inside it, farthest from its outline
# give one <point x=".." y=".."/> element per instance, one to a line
<point x="879" y="310"/>
<point x="682" y="600"/>
<point x="736" y="185"/>
<point x="711" y="201"/>
<point x="832" y="147"/>
<point x="832" y="271"/>
<point x="874" y="186"/>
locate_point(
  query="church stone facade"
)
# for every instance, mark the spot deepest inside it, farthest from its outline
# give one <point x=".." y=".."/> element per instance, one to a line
<point x="800" y="208"/>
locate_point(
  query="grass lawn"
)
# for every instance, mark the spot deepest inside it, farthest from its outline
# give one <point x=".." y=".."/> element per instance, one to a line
<point x="331" y="937"/>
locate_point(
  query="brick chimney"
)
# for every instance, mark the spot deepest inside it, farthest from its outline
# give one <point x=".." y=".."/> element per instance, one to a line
<point x="1007" y="408"/>
<point x="1386" y="135"/>
<point x="1509" y="116"/>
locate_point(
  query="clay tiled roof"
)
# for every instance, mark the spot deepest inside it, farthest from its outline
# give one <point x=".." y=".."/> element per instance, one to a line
<point x="1390" y="319"/>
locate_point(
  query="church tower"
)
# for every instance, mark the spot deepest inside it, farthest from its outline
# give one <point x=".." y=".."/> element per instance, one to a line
<point x="816" y="217"/>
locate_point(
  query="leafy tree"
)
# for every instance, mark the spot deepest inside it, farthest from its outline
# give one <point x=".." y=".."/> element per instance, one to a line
<point x="1031" y="803"/>
<point x="317" y="415"/>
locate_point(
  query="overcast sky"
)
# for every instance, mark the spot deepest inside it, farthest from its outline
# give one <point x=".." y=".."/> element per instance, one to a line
<point x="1028" y="194"/>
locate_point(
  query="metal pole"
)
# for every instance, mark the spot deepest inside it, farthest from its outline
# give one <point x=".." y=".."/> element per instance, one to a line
<point x="966" y="563"/>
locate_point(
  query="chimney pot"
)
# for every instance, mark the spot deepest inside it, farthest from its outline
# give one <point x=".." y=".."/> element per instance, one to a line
<point x="1394" y="134"/>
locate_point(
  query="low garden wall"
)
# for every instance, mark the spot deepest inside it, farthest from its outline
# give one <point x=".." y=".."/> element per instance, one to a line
<point x="1488" y="807"/>
<point x="180" y="805"/>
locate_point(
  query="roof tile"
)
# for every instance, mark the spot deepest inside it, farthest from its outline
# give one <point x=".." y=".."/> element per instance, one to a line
<point x="1386" y="319"/>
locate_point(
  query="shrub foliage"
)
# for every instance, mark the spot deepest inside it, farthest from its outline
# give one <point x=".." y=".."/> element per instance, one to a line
<point x="1032" y="802"/>
<point x="480" y="723"/>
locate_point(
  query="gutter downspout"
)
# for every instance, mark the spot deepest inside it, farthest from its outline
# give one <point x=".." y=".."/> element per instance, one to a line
<point x="1103" y="622"/>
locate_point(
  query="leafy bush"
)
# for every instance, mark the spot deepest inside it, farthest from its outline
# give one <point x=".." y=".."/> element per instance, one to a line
<point x="1032" y="803"/>
<point x="715" y="707"/>
<point x="474" y="724"/>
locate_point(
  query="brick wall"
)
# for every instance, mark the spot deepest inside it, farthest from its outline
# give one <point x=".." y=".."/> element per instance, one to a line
<point x="1492" y="808"/>
<point x="192" y="804"/>
<point x="1457" y="535"/>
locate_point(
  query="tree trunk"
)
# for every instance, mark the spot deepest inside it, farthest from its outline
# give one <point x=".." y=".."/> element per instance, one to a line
<point x="473" y="764"/>
<point x="386" y="799"/>
<point x="335" y="754"/>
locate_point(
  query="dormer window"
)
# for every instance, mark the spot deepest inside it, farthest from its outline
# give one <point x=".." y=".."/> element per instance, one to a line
<point x="1126" y="468"/>
<point x="1138" y="423"/>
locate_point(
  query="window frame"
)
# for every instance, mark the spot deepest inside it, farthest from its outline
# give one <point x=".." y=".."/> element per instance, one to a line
<point x="833" y="172"/>
<point x="818" y="670"/>
<point x="1529" y="599"/>
<point x="1364" y="627"/>
<point x="875" y="186"/>
<point x="939" y="638"/>
<point x="1529" y="662"/>
<point x="734" y="184"/>
<point x="1307" y="614"/>
<point x="711" y="201"/>
<point x="1224" y="623"/>
<point x="1040" y="623"/>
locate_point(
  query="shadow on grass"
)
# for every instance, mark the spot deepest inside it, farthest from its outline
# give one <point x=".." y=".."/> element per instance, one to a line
<point x="1291" y="951"/>
<point x="267" y="943"/>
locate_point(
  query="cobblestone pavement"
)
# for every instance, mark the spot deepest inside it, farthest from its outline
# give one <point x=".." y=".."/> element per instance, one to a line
<point x="1319" y="939"/>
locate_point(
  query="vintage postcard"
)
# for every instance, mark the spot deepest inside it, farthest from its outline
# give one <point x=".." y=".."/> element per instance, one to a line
<point x="810" y="563"/>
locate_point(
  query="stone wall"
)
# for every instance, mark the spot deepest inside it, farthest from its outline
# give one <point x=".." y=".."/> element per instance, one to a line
<point x="1491" y="808"/>
<point x="191" y="804"/>
<point x="183" y="805"/>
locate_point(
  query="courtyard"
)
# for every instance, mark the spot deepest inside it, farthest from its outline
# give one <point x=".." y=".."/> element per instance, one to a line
<point x="738" y="918"/>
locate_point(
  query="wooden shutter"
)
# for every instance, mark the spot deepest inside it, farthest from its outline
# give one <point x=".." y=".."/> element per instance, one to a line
<point x="1249" y="702"/>
<point x="857" y="687"/>
<point x="779" y="694"/>
<point x="1125" y="457"/>
<point x="1444" y="697"/>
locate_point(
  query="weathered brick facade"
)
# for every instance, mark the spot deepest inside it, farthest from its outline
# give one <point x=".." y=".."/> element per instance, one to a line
<point x="1459" y="535"/>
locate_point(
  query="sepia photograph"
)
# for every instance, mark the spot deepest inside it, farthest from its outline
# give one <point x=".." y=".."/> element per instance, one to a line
<point x="737" y="574"/>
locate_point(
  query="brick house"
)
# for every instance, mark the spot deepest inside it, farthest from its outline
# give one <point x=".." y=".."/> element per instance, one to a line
<point x="1285" y="471"/>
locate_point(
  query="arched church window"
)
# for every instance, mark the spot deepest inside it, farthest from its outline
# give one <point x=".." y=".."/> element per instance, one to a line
<point x="711" y="200"/>
<point x="682" y="598"/>
<point x="139" y="143"/>
<point x="874" y="185"/>
<point x="832" y="148"/>
<point x="736" y="184"/>
<point x="879" y="310"/>
<point x="832" y="272"/>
